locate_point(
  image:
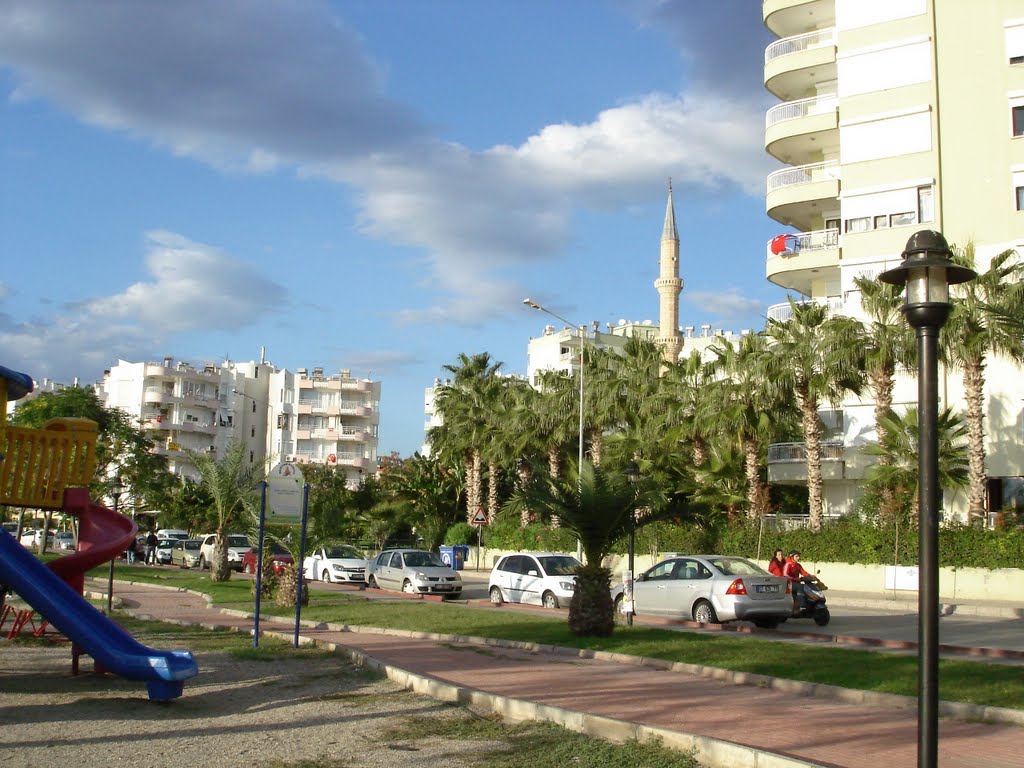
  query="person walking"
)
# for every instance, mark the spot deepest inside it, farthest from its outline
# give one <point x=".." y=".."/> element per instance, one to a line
<point x="151" y="542"/>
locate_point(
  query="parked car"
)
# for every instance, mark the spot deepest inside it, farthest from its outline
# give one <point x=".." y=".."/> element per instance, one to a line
<point x="186" y="553"/>
<point x="279" y="558"/>
<point x="238" y="545"/>
<point x="165" y="543"/>
<point x="415" y="571"/>
<point x="711" y="589"/>
<point x="32" y="538"/>
<point x="340" y="563"/>
<point x="64" y="540"/>
<point x="537" y="578"/>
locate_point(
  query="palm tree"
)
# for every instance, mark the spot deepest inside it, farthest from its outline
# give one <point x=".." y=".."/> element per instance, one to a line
<point x="463" y="407"/>
<point x="978" y="327"/>
<point x="898" y="443"/>
<point x="890" y="341"/>
<point x="231" y="482"/>
<point x="819" y="359"/>
<point x="750" y="409"/>
<point x="597" y="506"/>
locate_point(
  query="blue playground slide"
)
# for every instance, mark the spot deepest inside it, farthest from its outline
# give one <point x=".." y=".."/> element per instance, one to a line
<point x="110" y="645"/>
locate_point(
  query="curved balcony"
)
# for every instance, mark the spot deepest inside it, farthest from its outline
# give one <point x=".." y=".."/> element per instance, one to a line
<point x="787" y="462"/>
<point x="791" y="17"/>
<point x="796" y="260"/>
<point x="784" y="311"/>
<point x="796" y="196"/>
<point x="802" y="131"/>
<point x="795" y="65"/>
<point x="156" y="395"/>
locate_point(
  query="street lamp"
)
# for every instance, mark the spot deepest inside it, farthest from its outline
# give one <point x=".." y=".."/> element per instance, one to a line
<point x="115" y="493"/>
<point x="633" y="476"/>
<point x="927" y="272"/>
<point x="582" y="329"/>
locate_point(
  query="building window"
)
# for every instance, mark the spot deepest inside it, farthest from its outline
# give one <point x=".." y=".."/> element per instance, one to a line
<point x="1020" y="198"/>
<point x="1018" y="121"/>
<point x="902" y="219"/>
<point x="1017" y="59"/>
<point x="254" y="406"/>
<point x="862" y="224"/>
<point x="925" y="204"/>
<point x="881" y="222"/>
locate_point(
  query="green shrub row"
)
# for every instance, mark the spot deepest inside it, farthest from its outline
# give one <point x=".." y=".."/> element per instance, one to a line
<point x="843" y="541"/>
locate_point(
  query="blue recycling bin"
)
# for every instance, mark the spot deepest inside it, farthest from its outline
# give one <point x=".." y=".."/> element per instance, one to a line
<point x="454" y="556"/>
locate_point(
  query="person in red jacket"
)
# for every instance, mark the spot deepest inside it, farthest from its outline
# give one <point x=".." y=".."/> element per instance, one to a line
<point x="793" y="571"/>
<point x="777" y="563"/>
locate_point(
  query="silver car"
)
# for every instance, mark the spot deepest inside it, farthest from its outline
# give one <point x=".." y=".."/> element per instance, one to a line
<point x="709" y="589"/>
<point x="414" y="571"/>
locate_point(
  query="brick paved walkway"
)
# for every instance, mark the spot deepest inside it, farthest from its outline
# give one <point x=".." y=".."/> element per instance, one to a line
<point x="821" y="732"/>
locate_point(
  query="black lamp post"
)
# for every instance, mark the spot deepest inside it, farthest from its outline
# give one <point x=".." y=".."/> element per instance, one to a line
<point x="115" y="493"/>
<point x="633" y="476"/>
<point x="927" y="272"/>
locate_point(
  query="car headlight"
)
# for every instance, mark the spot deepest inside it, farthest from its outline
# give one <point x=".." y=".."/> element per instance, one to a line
<point x="567" y="586"/>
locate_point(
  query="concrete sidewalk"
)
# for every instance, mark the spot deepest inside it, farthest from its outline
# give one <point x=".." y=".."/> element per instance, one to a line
<point x="731" y="720"/>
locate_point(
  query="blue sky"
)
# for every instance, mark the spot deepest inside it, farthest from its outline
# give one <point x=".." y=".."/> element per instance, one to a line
<point x="369" y="185"/>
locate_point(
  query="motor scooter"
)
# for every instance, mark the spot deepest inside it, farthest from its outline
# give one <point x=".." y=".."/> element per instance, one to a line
<point x="810" y="600"/>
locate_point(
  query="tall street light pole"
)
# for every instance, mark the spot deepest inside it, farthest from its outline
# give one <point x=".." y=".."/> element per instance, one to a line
<point x="115" y="493"/>
<point x="927" y="272"/>
<point x="582" y="331"/>
<point x="633" y="476"/>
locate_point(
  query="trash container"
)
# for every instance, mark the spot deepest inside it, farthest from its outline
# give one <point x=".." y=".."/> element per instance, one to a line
<point x="454" y="556"/>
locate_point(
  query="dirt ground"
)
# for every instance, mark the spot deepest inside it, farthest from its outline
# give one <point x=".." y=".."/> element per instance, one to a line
<point x="303" y="712"/>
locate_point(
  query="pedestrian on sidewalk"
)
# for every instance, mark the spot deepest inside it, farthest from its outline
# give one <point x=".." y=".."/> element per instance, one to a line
<point x="151" y="542"/>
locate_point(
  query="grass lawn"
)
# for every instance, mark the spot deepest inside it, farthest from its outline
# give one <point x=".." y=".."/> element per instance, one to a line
<point x="975" y="682"/>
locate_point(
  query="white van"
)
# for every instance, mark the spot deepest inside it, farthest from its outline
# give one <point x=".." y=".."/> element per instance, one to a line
<point x="171" y="533"/>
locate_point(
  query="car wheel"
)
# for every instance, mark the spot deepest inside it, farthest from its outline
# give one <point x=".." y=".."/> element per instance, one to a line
<point x="766" y="623"/>
<point x="822" y="617"/>
<point x="372" y="583"/>
<point x="618" y="610"/>
<point x="326" y="575"/>
<point x="496" y="596"/>
<point x="549" y="600"/>
<point x="704" y="612"/>
<point x="408" y="588"/>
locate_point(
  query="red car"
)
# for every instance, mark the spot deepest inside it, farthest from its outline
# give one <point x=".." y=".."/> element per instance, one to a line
<point x="280" y="558"/>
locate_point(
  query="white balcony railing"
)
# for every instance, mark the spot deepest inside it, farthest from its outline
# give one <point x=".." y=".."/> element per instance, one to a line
<point x="792" y="110"/>
<point x="792" y="244"/>
<point x="804" y="174"/>
<point x="784" y="311"/>
<point x="778" y="453"/>
<point x="819" y="38"/>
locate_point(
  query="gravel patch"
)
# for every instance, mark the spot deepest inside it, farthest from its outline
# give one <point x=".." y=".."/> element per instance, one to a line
<point x="288" y="712"/>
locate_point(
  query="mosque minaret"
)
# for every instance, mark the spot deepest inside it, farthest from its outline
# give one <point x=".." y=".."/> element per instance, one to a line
<point x="669" y="286"/>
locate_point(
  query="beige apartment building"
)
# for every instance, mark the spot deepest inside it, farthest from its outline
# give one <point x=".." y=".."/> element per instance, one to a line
<point x="280" y="416"/>
<point x="894" y="116"/>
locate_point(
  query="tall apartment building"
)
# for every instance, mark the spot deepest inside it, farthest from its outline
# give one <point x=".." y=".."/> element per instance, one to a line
<point x="278" y="415"/>
<point x="894" y="116"/>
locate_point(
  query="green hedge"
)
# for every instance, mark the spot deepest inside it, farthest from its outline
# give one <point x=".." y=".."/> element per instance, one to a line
<point x="847" y="540"/>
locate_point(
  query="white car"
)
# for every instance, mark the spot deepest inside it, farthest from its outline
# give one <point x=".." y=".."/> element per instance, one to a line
<point x="414" y="571"/>
<point x="238" y="545"/>
<point x="537" y="578"/>
<point x="33" y="537"/>
<point x="337" y="563"/>
<point x="165" y="541"/>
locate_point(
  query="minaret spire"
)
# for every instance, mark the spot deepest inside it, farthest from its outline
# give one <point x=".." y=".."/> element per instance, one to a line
<point x="669" y="285"/>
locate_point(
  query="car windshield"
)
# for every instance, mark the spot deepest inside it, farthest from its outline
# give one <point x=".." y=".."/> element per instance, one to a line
<point x="422" y="559"/>
<point x="342" y="552"/>
<point x="737" y="566"/>
<point x="193" y="544"/>
<point x="239" y="541"/>
<point x="559" y="565"/>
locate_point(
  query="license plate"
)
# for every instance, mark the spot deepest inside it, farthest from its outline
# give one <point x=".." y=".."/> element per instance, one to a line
<point x="443" y="588"/>
<point x="766" y="587"/>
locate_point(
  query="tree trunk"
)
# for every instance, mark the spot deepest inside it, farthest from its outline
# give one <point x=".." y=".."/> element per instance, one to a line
<point x="492" y="491"/>
<point x="554" y="462"/>
<point x="756" y="492"/>
<point x="596" y="446"/>
<point x="523" y="471"/>
<point x="812" y="448"/>
<point x="219" y="570"/>
<point x="474" y="481"/>
<point x="974" y="388"/>
<point x="882" y="385"/>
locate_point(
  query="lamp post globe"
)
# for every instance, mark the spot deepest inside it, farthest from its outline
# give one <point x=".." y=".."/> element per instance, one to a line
<point x="926" y="273"/>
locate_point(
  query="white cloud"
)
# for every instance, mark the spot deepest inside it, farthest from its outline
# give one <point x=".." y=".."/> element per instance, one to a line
<point x="194" y="286"/>
<point x="727" y="305"/>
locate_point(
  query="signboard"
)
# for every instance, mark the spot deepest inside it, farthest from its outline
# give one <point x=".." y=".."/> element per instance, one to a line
<point x="480" y="519"/>
<point x="284" y="491"/>
<point x="901" y="577"/>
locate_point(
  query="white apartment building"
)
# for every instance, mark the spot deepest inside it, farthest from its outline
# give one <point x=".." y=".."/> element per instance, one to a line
<point x="279" y="416"/>
<point x="894" y="116"/>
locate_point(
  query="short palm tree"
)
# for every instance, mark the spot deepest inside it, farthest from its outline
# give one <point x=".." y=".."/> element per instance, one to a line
<point x="597" y="506"/>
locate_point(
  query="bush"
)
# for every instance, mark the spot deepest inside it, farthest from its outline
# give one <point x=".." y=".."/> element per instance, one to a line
<point x="460" y="533"/>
